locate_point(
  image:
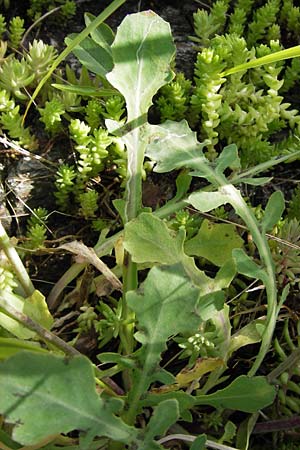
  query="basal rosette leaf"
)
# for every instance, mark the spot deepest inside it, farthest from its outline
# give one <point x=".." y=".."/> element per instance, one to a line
<point x="167" y="305"/>
<point x="142" y="52"/>
<point x="44" y="395"/>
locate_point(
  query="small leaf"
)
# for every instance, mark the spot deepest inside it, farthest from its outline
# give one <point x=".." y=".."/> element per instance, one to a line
<point x="243" y="394"/>
<point x="148" y="239"/>
<point x="36" y="308"/>
<point x="249" y="334"/>
<point x="92" y="56"/>
<point x="43" y="395"/>
<point x="228" y="158"/>
<point x="229" y="432"/>
<point x="206" y="201"/>
<point x="273" y="211"/>
<point x="199" y="443"/>
<point x="215" y="242"/>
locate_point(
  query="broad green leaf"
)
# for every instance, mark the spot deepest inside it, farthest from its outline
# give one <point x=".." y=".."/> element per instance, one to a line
<point x="206" y="201"/>
<point x="10" y="346"/>
<point x="142" y="52"/>
<point x="166" y="306"/>
<point x="102" y="35"/>
<point x="273" y="211"/>
<point x="174" y="145"/>
<point x="44" y="395"/>
<point x="215" y="242"/>
<point x="243" y="394"/>
<point x="148" y="239"/>
<point x="92" y="56"/>
<point x="246" y="265"/>
<point x="165" y="414"/>
<point x="36" y="308"/>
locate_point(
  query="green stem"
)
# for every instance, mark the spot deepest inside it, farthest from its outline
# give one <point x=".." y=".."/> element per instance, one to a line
<point x="16" y="262"/>
<point x="270" y="281"/>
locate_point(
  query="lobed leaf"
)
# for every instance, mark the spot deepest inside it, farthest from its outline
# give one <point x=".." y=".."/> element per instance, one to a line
<point x="215" y="242"/>
<point x="148" y="239"/>
<point x="43" y="395"/>
<point x="166" y="306"/>
<point x="174" y="145"/>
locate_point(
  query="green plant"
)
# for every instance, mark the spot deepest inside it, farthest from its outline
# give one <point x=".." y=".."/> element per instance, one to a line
<point x="175" y="298"/>
<point x="16" y="31"/>
<point x="36" y="228"/>
<point x="166" y="296"/>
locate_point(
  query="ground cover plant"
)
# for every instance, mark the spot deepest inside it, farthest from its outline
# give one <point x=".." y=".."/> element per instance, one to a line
<point x="165" y="308"/>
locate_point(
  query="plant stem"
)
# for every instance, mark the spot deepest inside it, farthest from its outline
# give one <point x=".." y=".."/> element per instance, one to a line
<point x="16" y="262"/>
<point x="270" y="281"/>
